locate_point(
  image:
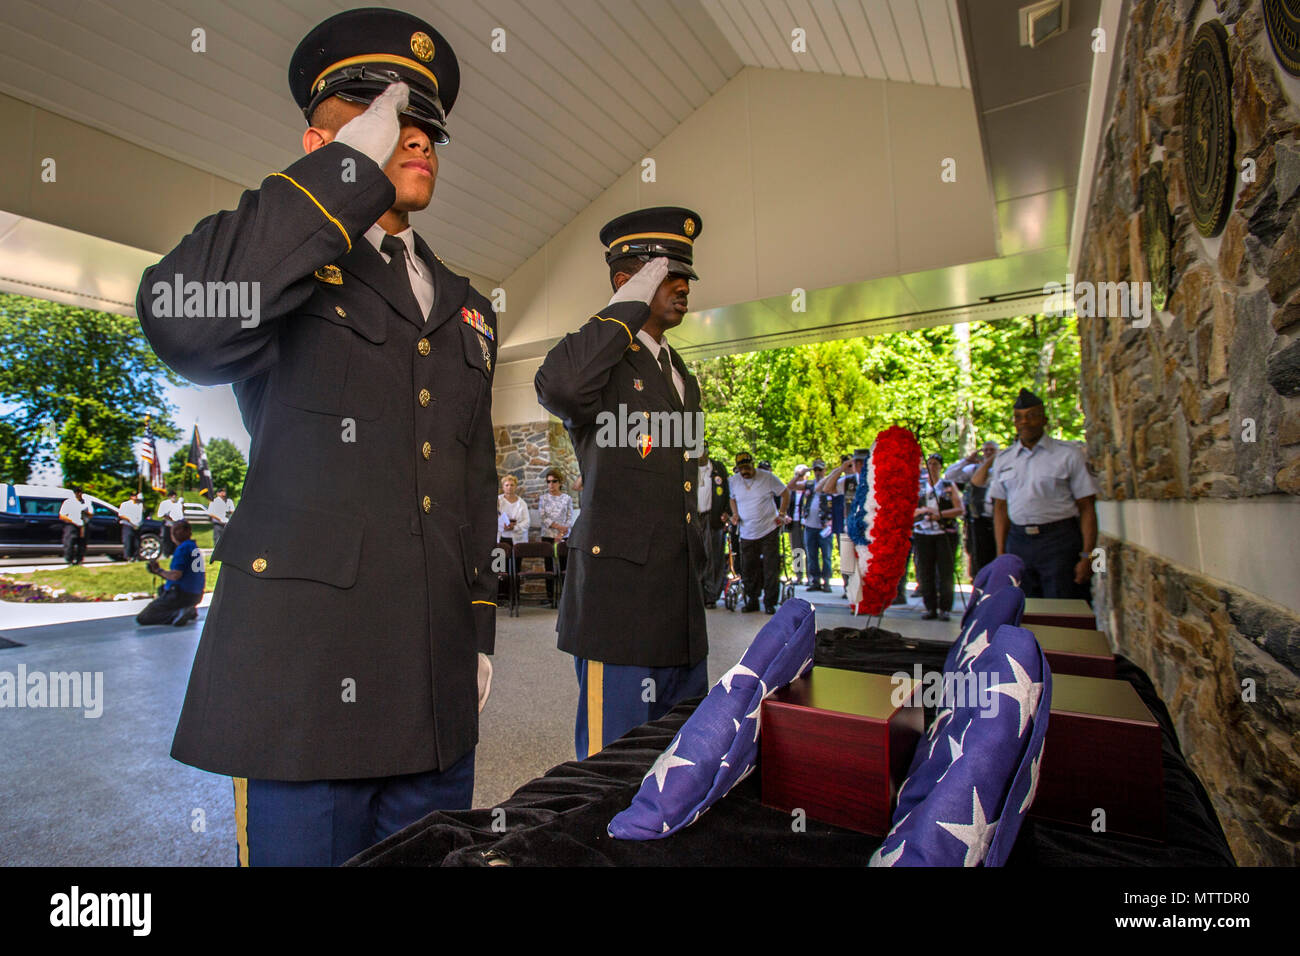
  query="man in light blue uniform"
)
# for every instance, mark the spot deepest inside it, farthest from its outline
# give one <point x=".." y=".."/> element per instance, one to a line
<point x="1043" y="506"/>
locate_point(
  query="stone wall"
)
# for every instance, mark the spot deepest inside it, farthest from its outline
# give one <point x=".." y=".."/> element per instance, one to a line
<point x="527" y="450"/>
<point x="1204" y="402"/>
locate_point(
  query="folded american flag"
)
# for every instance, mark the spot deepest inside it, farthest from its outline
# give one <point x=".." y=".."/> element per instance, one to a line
<point x="1006" y="605"/>
<point x="963" y="805"/>
<point x="1006" y="570"/>
<point x="717" y="747"/>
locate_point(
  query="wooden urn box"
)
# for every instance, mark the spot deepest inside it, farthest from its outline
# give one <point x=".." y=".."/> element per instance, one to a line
<point x="1059" y="612"/>
<point x="1072" y="650"/>
<point x="1102" y="753"/>
<point x="835" y="745"/>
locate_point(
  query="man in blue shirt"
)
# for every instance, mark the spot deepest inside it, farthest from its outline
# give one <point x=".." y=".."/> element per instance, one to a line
<point x="182" y="589"/>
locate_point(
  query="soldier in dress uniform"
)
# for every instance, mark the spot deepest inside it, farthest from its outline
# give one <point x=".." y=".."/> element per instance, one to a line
<point x="632" y="611"/>
<point x="1044" y="506"/>
<point x="342" y="665"/>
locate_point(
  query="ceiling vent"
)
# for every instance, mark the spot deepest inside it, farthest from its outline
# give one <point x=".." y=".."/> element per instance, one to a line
<point x="1039" y="22"/>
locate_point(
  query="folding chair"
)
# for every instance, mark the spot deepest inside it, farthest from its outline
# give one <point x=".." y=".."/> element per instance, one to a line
<point x="536" y="551"/>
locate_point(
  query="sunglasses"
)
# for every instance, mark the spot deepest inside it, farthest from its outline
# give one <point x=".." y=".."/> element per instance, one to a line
<point x="552" y="481"/>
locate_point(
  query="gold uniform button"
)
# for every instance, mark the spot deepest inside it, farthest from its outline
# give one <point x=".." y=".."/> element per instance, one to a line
<point x="424" y="397"/>
<point x="595" y="549"/>
<point x="686" y="485"/>
<point x="427" y="503"/>
<point x="259" y="565"/>
<point x="686" y="456"/>
<point x="688" y="517"/>
<point x="339" y="310"/>
<point x="426" y="450"/>
<point x="423" y="346"/>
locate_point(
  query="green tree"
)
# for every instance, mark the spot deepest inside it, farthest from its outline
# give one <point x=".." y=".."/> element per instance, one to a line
<point x="79" y="384"/>
<point x="228" y="466"/>
<point x="824" y="399"/>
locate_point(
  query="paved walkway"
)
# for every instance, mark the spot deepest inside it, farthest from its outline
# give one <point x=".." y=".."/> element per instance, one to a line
<point x="83" y="791"/>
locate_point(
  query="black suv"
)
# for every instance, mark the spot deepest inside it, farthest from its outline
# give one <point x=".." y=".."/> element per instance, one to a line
<point x="30" y="525"/>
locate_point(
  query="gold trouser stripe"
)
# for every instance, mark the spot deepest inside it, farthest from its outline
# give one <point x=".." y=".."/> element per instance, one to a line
<point x="624" y="324"/>
<point x="324" y="212"/>
<point x="241" y="817"/>
<point x="595" y="707"/>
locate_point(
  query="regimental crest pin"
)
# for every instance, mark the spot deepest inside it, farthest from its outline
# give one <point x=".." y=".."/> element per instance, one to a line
<point x="331" y="274"/>
<point x="643" y="443"/>
<point x="638" y="385"/>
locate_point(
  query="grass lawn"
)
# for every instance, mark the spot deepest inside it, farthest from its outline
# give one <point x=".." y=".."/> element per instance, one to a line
<point x="101" y="582"/>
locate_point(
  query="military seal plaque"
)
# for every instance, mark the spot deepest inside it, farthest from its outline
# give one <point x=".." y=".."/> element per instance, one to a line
<point x="1207" y="128"/>
<point x="1156" y="234"/>
<point x="1282" y="19"/>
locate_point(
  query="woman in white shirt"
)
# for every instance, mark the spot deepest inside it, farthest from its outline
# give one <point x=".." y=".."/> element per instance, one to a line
<point x="515" y="511"/>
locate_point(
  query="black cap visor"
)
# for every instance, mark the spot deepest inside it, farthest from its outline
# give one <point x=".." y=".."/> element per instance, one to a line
<point x="361" y="84"/>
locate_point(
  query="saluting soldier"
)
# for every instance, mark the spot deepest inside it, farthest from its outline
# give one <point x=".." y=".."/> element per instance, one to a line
<point x="341" y="669"/>
<point x="632" y="611"/>
<point x="1044" y="505"/>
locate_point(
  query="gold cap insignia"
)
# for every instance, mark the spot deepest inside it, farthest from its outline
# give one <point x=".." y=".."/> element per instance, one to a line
<point x="625" y="247"/>
<point x="320" y="86"/>
<point x="688" y="227"/>
<point x="422" y="46"/>
<point x="331" y="274"/>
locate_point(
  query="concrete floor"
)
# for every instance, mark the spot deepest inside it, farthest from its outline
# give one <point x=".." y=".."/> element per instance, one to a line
<point x="104" y="792"/>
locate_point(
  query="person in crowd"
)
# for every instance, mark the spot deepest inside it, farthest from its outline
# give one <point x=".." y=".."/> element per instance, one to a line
<point x="219" y="510"/>
<point x="171" y="510"/>
<point x="936" y="515"/>
<point x="759" y="519"/>
<point x="1044" y="505"/>
<point x="129" y="515"/>
<point x="513" y="520"/>
<point x="713" y="494"/>
<point x="981" y="545"/>
<point x="556" y="509"/>
<point x="843" y="484"/>
<point x="814" y="515"/>
<point x="794" y="528"/>
<point x="74" y="513"/>
<point x="183" y="582"/>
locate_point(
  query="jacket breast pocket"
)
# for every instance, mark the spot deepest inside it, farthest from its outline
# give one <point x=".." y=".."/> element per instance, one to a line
<point x="269" y="540"/>
<point x="331" y="366"/>
<point x="475" y="381"/>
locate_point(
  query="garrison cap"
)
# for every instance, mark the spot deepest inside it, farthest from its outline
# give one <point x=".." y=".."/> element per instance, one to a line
<point x="1027" y="399"/>
<point x="668" y="231"/>
<point x="357" y="54"/>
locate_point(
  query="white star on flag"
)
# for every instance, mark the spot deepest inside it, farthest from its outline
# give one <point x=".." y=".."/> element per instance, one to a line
<point x="758" y="709"/>
<point x="977" y="835"/>
<point x="1024" y="692"/>
<point x="667" y="761"/>
<point x="954" y="747"/>
<point x="887" y="859"/>
<point x="974" y="649"/>
<point x="1033" y="782"/>
<point x="740" y="670"/>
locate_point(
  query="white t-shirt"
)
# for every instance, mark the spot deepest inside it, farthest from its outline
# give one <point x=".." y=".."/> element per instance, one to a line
<point x="752" y="498"/>
<point x="132" y="511"/>
<point x="171" y="510"/>
<point x="74" y="510"/>
<point x="219" y="510"/>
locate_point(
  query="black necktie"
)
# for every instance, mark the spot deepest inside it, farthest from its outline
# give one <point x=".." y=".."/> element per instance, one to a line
<point x="666" y="364"/>
<point x="395" y="249"/>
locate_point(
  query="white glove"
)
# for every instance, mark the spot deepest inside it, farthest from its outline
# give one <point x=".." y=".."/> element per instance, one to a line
<point x="376" y="131"/>
<point x="642" y="286"/>
<point x="484" y="680"/>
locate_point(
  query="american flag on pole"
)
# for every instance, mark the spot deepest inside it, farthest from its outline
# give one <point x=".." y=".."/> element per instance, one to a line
<point x="149" y="457"/>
